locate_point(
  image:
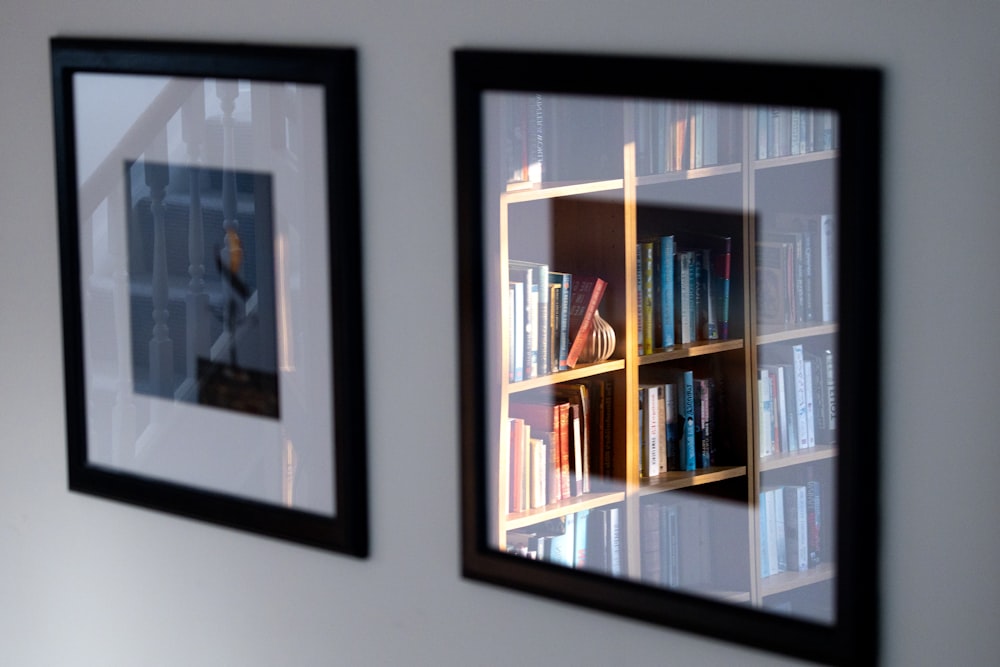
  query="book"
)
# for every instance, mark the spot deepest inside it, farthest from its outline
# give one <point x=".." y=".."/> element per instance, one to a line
<point x="586" y="294"/>
<point x="685" y="297"/>
<point x="801" y="399"/>
<point x="601" y="429"/>
<point x="796" y="529"/>
<point x="598" y="541"/>
<point x="684" y="381"/>
<point x="647" y="323"/>
<point x="694" y="543"/>
<point x="810" y="405"/>
<point x="651" y="558"/>
<point x="704" y="389"/>
<point x="670" y="460"/>
<point x="664" y="291"/>
<point x="516" y="331"/>
<point x="540" y="313"/>
<point x="712" y="275"/>
<point x="775" y="283"/>
<point x="538" y="471"/>
<point x="670" y="540"/>
<point x="824" y="396"/>
<point x="814" y="519"/>
<point x="781" y="547"/>
<point x="561" y="548"/>
<point x="640" y="325"/>
<point x="578" y="396"/>
<point x="516" y="467"/>
<point x="765" y="543"/>
<point x="765" y="413"/>
<point x="551" y="416"/>
<point x="526" y="275"/>
<point x="722" y="268"/>
<point x="565" y="283"/>
<point x="615" y="545"/>
<point x="580" y="539"/>
<point x="649" y="400"/>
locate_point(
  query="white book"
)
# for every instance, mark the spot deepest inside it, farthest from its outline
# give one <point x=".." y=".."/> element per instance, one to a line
<point x="810" y="409"/>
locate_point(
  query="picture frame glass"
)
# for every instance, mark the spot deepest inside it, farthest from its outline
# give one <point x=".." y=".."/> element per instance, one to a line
<point x="210" y="238"/>
<point x="256" y="406"/>
<point x="657" y="344"/>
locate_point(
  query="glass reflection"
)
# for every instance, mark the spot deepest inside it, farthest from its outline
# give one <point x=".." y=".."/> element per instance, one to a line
<point x="697" y="450"/>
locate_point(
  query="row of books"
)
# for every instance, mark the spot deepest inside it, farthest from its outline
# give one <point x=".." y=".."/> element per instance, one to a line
<point x="783" y="131"/>
<point x="790" y="528"/>
<point x="585" y="540"/>
<point x="677" y="424"/>
<point x="683" y="287"/>
<point x="797" y="398"/>
<point x="547" y="137"/>
<point x="676" y="544"/>
<point x="796" y="269"/>
<point x="550" y="317"/>
<point x="681" y="135"/>
<point x="559" y="441"/>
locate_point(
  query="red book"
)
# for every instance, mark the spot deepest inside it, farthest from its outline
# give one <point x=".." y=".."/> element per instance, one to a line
<point x="585" y="296"/>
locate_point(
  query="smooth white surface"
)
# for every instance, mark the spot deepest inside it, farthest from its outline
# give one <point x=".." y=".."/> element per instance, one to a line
<point x="86" y="582"/>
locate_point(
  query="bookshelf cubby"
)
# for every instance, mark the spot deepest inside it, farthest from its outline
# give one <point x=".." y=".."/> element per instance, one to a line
<point x="703" y="462"/>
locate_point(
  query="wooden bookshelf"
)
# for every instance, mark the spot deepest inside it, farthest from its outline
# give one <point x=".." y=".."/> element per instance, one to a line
<point x="593" y="228"/>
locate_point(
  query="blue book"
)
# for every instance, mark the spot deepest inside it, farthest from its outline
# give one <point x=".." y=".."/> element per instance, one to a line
<point x="665" y="285"/>
<point x="686" y="419"/>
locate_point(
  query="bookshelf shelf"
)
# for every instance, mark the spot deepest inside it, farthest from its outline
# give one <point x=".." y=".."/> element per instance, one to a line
<point x="587" y="501"/>
<point x="773" y="334"/>
<point x="790" y="581"/>
<point x="797" y="458"/>
<point x="689" y="174"/>
<point x="688" y="350"/>
<point x="517" y="193"/>
<point x="705" y="230"/>
<point x="685" y="479"/>
<point x="794" y="160"/>
<point x="581" y="372"/>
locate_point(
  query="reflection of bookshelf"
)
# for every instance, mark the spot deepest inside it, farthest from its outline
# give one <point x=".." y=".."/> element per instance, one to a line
<point x="589" y="213"/>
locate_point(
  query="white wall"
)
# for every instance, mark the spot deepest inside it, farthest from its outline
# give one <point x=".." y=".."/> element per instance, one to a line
<point x="84" y="581"/>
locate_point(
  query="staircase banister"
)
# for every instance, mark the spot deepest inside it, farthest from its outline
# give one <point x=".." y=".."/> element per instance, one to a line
<point x="99" y="185"/>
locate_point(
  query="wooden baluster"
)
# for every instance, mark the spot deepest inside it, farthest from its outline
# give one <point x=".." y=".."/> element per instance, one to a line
<point x="123" y="413"/>
<point x="197" y="312"/>
<point x="227" y="91"/>
<point x="264" y="137"/>
<point x="161" y="348"/>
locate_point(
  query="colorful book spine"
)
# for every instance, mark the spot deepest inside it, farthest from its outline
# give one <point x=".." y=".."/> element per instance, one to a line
<point x="796" y="528"/>
<point x="704" y="427"/>
<point x="685" y="297"/>
<point x="646" y="282"/>
<point x="686" y="419"/>
<point x="585" y="298"/>
<point x="565" y="282"/>
<point x="665" y="272"/>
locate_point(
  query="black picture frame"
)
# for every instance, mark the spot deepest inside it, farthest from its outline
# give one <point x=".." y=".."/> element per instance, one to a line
<point x="209" y="227"/>
<point x="853" y="95"/>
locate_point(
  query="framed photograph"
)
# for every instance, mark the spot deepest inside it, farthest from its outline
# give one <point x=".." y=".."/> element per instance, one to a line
<point x="209" y="227"/>
<point x="669" y="327"/>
